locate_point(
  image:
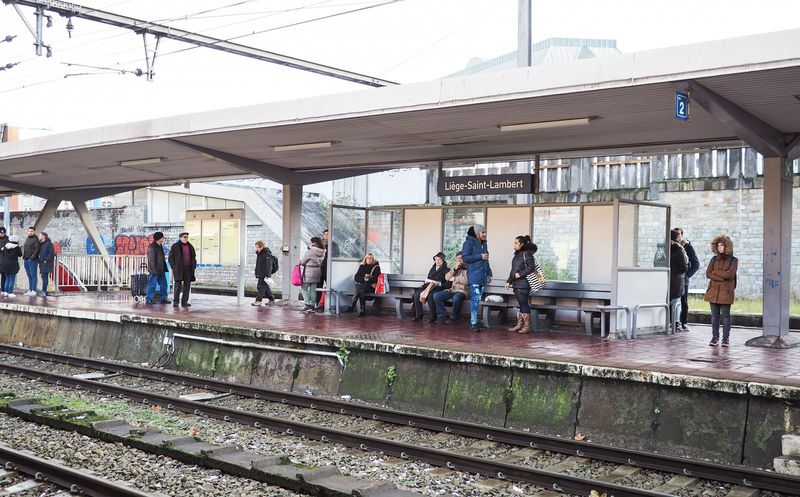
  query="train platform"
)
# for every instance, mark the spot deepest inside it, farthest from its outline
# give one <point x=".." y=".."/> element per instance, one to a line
<point x="685" y="353"/>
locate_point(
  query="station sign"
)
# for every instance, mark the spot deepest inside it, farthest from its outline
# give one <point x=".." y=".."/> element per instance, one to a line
<point x="500" y="184"/>
<point x="681" y="106"/>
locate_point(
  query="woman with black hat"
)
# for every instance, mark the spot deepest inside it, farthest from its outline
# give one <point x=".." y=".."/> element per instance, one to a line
<point x="433" y="283"/>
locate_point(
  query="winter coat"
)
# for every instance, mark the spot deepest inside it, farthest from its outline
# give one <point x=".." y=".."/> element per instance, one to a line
<point x="367" y="273"/>
<point x="438" y="275"/>
<point x="156" y="264"/>
<point x="457" y="277"/>
<point x="694" y="262"/>
<point x="312" y="264"/>
<point x="30" y="250"/>
<point x="47" y="256"/>
<point x="176" y="260"/>
<point x="9" y="261"/>
<point x="478" y="270"/>
<point x="263" y="263"/>
<point x="721" y="273"/>
<point x="522" y="263"/>
<point x="677" y="270"/>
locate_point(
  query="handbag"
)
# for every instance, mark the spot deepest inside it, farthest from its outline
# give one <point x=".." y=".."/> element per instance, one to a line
<point x="380" y="287"/>
<point x="536" y="279"/>
<point x="424" y="295"/>
<point x="297" y="275"/>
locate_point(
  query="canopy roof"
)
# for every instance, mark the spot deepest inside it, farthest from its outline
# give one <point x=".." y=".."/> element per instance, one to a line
<point x="629" y="99"/>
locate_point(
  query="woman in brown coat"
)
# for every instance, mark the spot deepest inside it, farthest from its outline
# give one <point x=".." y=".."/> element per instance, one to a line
<point x="721" y="274"/>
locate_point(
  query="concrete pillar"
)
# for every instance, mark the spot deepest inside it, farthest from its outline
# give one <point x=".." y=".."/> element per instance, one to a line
<point x="292" y="244"/>
<point x="47" y="214"/>
<point x="89" y="225"/>
<point x="777" y="254"/>
<point x="7" y="212"/>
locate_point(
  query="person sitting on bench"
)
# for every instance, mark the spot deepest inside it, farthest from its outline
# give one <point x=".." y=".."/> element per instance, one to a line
<point x="433" y="283"/>
<point x="457" y="277"/>
<point x="366" y="278"/>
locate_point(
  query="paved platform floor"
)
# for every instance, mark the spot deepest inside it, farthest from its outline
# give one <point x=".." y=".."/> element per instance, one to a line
<point x="683" y="353"/>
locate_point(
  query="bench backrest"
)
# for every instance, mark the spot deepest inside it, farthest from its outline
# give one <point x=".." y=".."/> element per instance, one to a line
<point x="405" y="280"/>
<point x="562" y="289"/>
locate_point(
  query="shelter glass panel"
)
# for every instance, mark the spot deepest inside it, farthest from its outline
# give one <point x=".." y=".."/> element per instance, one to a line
<point x="197" y="202"/>
<point x="348" y="233"/>
<point x="159" y="206"/>
<point x="557" y="234"/>
<point x="384" y="238"/>
<point x="457" y="222"/>
<point x="215" y="203"/>
<point x="642" y="236"/>
<point x="177" y="207"/>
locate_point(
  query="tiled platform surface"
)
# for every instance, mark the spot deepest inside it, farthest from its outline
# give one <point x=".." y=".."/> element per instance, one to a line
<point x="683" y="353"/>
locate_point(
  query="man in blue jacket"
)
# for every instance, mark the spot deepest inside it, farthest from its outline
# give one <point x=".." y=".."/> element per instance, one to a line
<point x="475" y="254"/>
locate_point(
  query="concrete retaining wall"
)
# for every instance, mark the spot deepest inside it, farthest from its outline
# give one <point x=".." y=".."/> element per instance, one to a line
<point x="730" y="422"/>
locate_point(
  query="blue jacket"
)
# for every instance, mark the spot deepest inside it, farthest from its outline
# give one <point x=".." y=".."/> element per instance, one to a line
<point x="477" y="269"/>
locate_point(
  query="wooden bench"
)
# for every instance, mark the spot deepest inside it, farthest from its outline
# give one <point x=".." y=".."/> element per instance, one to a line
<point x="592" y="299"/>
<point x="401" y="289"/>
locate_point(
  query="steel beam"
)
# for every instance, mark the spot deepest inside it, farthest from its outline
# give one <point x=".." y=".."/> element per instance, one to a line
<point x="760" y="135"/>
<point x="89" y="225"/>
<point x="46" y="215"/>
<point x="793" y="148"/>
<point x="67" y="9"/>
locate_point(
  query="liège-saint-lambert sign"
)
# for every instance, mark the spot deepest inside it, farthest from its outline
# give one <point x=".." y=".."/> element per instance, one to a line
<point x="501" y="184"/>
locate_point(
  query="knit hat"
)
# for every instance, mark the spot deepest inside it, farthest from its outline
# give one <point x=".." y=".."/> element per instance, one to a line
<point x="439" y="255"/>
<point x="157" y="236"/>
<point x="2" y="229"/>
<point x="478" y="228"/>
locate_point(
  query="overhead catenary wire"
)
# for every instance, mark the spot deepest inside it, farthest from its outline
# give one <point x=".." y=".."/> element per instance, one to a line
<point x="373" y="5"/>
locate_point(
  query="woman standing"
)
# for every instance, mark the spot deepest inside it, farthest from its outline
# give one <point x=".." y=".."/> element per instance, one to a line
<point x="721" y="273"/>
<point x="263" y="271"/>
<point x="366" y="278"/>
<point x="10" y="264"/>
<point x="521" y="266"/>
<point x="312" y="270"/>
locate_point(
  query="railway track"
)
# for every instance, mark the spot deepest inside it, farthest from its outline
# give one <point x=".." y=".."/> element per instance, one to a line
<point x="686" y="471"/>
<point x="41" y="472"/>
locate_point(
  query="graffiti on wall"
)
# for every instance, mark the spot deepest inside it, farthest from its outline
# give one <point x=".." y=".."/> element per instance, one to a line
<point x="121" y="245"/>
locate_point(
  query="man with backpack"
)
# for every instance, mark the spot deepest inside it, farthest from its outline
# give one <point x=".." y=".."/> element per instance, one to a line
<point x="266" y="266"/>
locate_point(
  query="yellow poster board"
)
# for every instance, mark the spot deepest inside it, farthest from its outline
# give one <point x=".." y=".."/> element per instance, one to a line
<point x="230" y="242"/>
<point x="216" y="235"/>
<point x="210" y="242"/>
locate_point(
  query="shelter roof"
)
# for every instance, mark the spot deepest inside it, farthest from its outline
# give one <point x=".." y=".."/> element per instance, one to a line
<point x="630" y="98"/>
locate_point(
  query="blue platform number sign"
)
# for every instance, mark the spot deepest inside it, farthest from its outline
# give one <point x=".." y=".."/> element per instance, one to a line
<point x="681" y="106"/>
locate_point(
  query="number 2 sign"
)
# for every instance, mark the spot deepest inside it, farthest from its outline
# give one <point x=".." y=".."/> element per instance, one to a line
<point x="681" y="106"/>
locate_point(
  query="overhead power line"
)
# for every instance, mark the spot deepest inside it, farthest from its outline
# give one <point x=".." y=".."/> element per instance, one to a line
<point x="159" y="31"/>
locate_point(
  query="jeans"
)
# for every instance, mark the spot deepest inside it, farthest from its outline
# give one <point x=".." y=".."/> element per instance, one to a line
<point x="263" y="290"/>
<point x="418" y="305"/>
<point x="721" y="312"/>
<point x="309" y="293"/>
<point x="439" y="298"/>
<point x="182" y="287"/>
<point x="11" y="278"/>
<point x="45" y="281"/>
<point x="523" y="295"/>
<point x="360" y="295"/>
<point x="684" y="315"/>
<point x="30" y="269"/>
<point x="475" y="292"/>
<point x="161" y="280"/>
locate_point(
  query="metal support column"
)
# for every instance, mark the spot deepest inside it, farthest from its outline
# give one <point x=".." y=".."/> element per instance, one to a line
<point x="524" y="33"/>
<point x="46" y="215"/>
<point x="777" y="254"/>
<point x="7" y="212"/>
<point x="242" y="259"/>
<point x="292" y="246"/>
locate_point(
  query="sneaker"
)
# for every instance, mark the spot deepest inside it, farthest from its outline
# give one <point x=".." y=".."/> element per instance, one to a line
<point x="476" y="328"/>
<point x="725" y="343"/>
<point x="10" y="295"/>
<point x="684" y="327"/>
<point x="713" y="343"/>
<point x="256" y="303"/>
<point x="432" y="319"/>
<point x="3" y="294"/>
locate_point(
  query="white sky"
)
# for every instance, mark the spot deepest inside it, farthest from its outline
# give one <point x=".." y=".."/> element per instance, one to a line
<point x="403" y="41"/>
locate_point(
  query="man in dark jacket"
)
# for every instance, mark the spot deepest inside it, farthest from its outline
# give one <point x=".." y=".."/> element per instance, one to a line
<point x="183" y="260"/>
<point x="47" y="257"/>
<point x="678" y="262"/>
<point x="157" y="267"/>
<point x="263" y="271"/>
<point x="475" y="253"/>
<point x="694" y="265"/>
<point x="30" y="256"/>
<point x="3" y="242"/>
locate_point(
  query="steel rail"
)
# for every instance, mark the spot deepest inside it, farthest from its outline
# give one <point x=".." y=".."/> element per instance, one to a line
<point x="502" y="471"/>
<point x="738" y="475"/>
<point x="77" y="481"/>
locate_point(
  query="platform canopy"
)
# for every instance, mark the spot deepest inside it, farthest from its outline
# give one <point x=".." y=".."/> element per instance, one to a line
<point x="612" y="105"/>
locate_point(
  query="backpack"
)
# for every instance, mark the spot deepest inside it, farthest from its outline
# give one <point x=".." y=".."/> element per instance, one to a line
<point x="274" y="261"/>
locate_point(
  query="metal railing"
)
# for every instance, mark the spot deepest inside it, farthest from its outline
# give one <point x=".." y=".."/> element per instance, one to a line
<point x="97" y="272"/>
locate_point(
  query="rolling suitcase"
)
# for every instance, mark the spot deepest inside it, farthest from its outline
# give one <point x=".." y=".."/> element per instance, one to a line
<point x="138" y="286"/>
